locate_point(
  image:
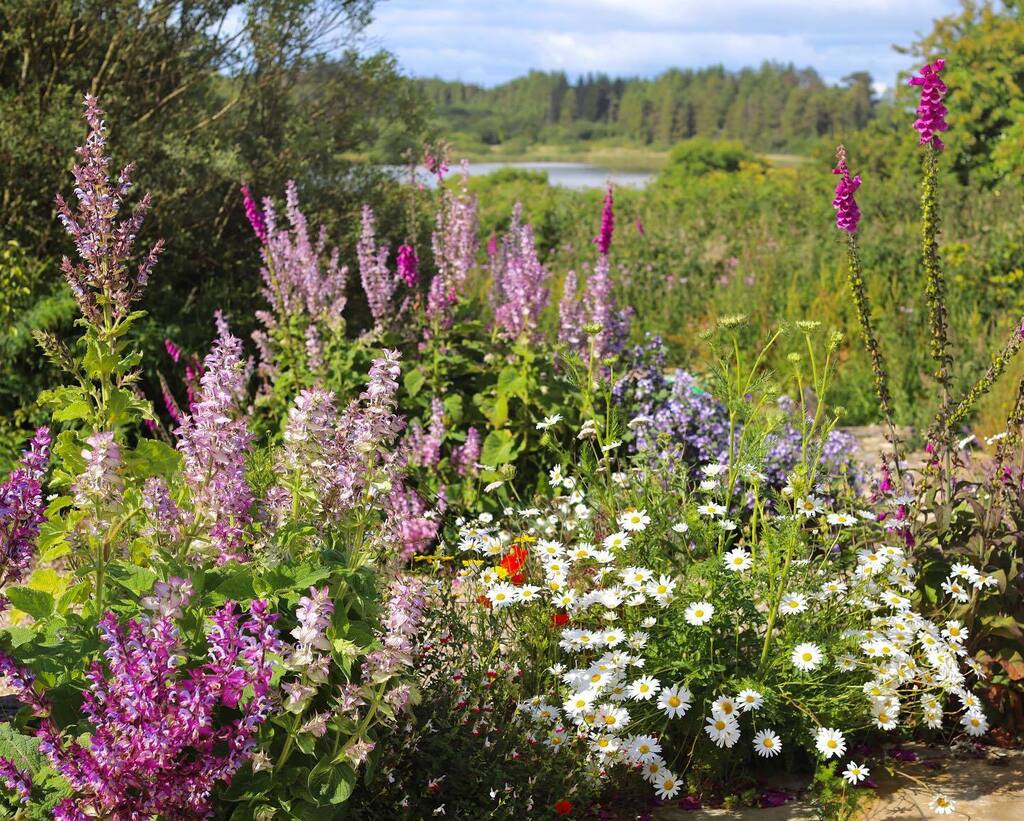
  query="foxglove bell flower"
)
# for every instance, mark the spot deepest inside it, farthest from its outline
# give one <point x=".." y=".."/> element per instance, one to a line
<point x="931" y="112"/>
<point x="604" y="238"/>
<point x="847" y="212"/>
<point x="408" y="265"/>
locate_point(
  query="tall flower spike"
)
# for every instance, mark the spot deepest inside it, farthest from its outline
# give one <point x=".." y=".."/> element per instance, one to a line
<point x="254" y="215"/>
<point x="518" y="291"/>
<point x="604" y="238"/>
<point x="104" y="245"/>
<point x="21" y="509"/>
<point x="931" y="112"/>
<point x="847" y="212"/>
<point x="378" y="283"/>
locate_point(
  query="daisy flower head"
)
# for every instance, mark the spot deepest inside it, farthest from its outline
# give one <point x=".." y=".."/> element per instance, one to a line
<point x="611" y="718"/>
<point x="502" y="595"/>
<point x="806" y="656"/>
<point x="549" y="421"/>
<point x="579" y="702"/>
<point x="975" y="723"/>
<point x="711" y="509"/>
<point x="723" y="706"/>
<point x="840" y="519"/>
<point x="643" y="748"/>
<point x="749" y="700"/>
<point x="634" y="521"/>
<point x="830" y="742"/>
<point x="675" y="700"/>
<point x="808" y="506"/>
<point x="793" y="603"/>
<point x="699" y="613"/>
<point x="555" y="476"/>
<point x="941" y="805"/>
<point x="661" y="589"/>
<point x="723" y="730"/>
<point x="653" y="768"/>
<point x="680" y="527"/>
<point x="855" y="773"/>
<point x="616" y="541"/>
<point x="666" y="785"/>
<point x="767" y="744"/>
<point x="738" y="560"/>
<point x="644" y="688"/>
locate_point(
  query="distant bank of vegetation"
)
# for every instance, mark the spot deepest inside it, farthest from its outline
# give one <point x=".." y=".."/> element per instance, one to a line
<point x="772" y="108"/>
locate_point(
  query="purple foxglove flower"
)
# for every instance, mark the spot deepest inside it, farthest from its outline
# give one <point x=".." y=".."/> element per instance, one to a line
<point x="931" y="112"/>
<point x="847" y="212"/>
<point x="408" y="265"/>
<point x="254" y="215"/>
<point x="604" y="238"/>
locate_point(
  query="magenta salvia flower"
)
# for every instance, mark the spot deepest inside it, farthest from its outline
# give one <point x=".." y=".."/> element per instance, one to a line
<point x="604" y="238"/>
<point x="378" y="283"/>
<point x="570" y="315"/>
<point x="466" y="456"/>
<point x="931" y="112"/>
<point x="847" y="212"/>
<point x="411" y="522"/>
<point x="160" y="742"/>
<point x="173" y="351"/>
<point x="518" y="291"/>
<point x="18" y="781"/>
<point x="169" y="598"/>
<point x="104" y="245"/>
<point x="408" y="265"/>
<point x="254" y="214"/>
<point x="21" y="510"/>
<point x="214" y="440"/>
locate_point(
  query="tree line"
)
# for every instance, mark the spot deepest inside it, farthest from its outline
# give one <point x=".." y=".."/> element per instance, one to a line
<point x="771" y="107"/>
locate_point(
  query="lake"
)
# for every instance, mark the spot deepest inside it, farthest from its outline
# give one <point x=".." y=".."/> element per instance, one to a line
<point x="576" y="175"/>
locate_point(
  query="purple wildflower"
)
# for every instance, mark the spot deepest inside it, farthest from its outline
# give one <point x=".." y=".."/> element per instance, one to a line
<point x="602" y="309"/>
<point x="931" y="112"/>
<point x="518" y="291"/>
<point x="99" y="483"/>
<point x="424" y="446"/>
<point x="21" y="509"/>
<point x="104" y="245"/>
<point x="403" y="620"/>
<point x="604" y="238"/>
<point x="466" y="456"/>
<point x="214" y="440"/>
<point x="847" y="212"/>
<point x="314" y="617"/>
<point x="159" y="745"/>
<point x="408" y="265"/>
<point x="412" y="525"/>
<point x="173" y="351"/>
<point x="454" y="243"/>
<point x="570" y="315"/>
<point x="254" y="215"/>
<point x="301" y="279"/>
<point x="19" y="781"/>
<point x="378" y="284"/>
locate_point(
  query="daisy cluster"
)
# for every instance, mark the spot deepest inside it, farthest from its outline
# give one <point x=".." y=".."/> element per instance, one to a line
<point x="548" y="566"/>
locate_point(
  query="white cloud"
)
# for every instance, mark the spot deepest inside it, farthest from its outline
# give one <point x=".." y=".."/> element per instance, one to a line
<point x="488" y="42"/>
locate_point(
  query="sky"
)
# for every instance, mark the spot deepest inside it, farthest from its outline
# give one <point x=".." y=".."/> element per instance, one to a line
<point x="490" y="41"/>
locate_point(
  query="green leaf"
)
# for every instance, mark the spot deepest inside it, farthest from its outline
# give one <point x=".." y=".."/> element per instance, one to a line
<point x="79" y="409"/>
<point x="138" y="580"/>
<point x="413" y="381"/>
<point x="23" y="750"/>
<point x="499" y="448"/>
<point x="152" y="457"/>
<point x="36" y="603"/>
<point x="511" y="382"/>
<point x="332" y="782"/>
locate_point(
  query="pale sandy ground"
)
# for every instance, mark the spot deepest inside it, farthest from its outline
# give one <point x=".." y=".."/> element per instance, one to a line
<point x="989" y="789"/>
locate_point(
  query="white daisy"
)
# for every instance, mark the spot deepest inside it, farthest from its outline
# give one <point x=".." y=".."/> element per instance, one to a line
<point x="699" y="613"/>
<point x="793" y="603"/>
<point x="806" y="656"/>
<point x="855" y="773"/>
<point x="723" y="730"/>
<point x="737" y="560"/>
<point x="830" y="742"/>
<point x="666" y="785"/>
<point x="675" y="700"/>
<point x="940" y="805"/>
<point x="767" y="744"/>
<point x="749" y="700"/>
<point x="634" y="520"/>
<point x="644" y="688"/>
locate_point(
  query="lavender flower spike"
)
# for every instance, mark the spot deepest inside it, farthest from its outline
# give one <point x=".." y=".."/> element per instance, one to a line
<point x="21" y="510"/>
<point x="518" y="292"/>
<point x="378" y="283"/>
